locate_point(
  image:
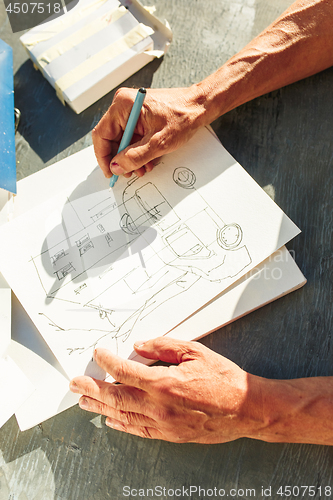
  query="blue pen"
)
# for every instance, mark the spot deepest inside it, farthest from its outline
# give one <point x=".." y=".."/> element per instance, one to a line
<point x="131" y="124"/>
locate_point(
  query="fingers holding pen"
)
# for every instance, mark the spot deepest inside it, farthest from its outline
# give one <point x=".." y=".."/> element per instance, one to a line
<point x="107" y="134"/>
<point x="105" y="149"/>
<point x="168" y="118"/>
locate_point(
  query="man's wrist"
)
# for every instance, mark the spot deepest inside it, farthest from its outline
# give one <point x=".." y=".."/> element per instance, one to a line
<point x="226" y="89"/>
<point x="198" y="101"/>
<point x="208" y="96"/>
<point x="276" y="409"/>
<point x="293" y="411"/>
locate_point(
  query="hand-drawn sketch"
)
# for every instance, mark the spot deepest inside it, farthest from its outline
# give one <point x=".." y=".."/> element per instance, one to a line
<point x="57" y="256"/>
<point x="80" y="288"/>
<point x="107" y="268"/>
<point x="183" y="251"/>
<point x="64" y="271"/>
<point x="84" y="244"/>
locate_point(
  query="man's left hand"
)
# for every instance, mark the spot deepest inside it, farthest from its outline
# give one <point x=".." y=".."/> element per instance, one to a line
<point x="201" y="397"/>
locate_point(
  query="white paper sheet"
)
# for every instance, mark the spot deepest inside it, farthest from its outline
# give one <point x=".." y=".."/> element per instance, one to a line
<point x="5" y="315"/>
<point x="6" y="213"/>
<point x="273" y="278"/>
<point x="107" y="267"/>
<point x="52" y="394"/>
<point x="15" y="388"/>
<point x="6" y="206"/>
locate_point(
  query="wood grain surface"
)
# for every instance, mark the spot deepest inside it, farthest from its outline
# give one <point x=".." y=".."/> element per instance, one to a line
<point x="284" y="140"/>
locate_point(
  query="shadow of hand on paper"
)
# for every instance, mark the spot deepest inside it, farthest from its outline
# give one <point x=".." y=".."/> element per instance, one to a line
<point x="88" y="236"/>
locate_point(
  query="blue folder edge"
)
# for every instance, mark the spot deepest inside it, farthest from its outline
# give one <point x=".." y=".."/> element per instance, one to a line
<point x="7" y="120"/>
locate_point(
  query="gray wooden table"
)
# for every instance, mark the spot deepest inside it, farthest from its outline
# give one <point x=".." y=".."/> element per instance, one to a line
<point x="284" y="140"/>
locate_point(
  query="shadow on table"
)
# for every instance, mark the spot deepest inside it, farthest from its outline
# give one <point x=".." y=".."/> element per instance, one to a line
<point x="47" y="125"/>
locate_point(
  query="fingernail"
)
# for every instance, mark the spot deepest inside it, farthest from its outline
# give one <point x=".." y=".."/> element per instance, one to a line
<point x="83" y="403"/>
<point x="73" y="387"/>
<point x="139" y="343"/>
<point x="113" y="425"/>
<point x="116" y="169"/>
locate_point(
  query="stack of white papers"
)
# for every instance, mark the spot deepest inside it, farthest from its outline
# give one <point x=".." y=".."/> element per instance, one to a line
<point x="15" y="387"/>
<point x="187" y="248"/>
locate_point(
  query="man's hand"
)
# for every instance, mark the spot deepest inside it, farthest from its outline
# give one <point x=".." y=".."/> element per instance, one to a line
<point x="298" y="44"/>
<point x="168" y="119"/>
<point x="203" y="397"/>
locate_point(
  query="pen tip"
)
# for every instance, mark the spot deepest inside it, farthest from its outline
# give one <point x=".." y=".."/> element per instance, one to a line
<point x="113" y="180"/>
<point x="143" y="90"/>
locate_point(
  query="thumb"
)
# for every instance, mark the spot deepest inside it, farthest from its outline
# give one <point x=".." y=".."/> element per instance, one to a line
<point x="135" y="156"/>
<point x="168" y="350"/>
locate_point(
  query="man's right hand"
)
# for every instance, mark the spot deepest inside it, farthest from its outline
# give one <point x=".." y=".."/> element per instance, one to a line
<point x="168" y="119"/>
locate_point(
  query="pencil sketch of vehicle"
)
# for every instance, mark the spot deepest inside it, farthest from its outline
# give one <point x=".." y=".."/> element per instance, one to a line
<point x="135" y="255"/>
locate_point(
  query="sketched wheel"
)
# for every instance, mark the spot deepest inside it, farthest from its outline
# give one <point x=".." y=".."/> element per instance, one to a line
<point x="230" y="236"/>
<point x="184" y="177"/>
<point x="127" y="225"/>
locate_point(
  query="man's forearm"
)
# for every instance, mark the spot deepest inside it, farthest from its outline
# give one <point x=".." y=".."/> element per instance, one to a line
<point x="203" y="397"/>
<point x="298" y="44"/>
<point x="294" y="411"/>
